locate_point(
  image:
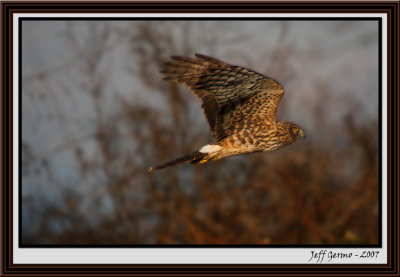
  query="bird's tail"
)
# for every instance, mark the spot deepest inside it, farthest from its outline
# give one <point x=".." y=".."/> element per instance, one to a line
<point x="195" y="157"/>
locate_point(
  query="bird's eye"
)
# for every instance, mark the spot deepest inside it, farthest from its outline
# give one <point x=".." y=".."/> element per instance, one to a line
<point x="295" y="129"/>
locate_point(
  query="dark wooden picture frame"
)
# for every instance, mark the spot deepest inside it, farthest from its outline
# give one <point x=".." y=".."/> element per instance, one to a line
<point x="9" y="8"/>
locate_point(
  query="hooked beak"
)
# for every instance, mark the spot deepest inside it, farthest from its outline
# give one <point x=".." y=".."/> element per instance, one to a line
<point x="302" y="134"/>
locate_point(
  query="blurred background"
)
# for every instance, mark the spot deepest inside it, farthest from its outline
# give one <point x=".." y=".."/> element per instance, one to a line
<point x="96" y="115"/>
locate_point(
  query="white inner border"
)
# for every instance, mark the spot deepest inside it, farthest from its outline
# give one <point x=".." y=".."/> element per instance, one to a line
<point x="192" y="255"/>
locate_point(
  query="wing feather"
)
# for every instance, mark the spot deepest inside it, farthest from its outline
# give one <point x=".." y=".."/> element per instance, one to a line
<point x="224" y="90"/>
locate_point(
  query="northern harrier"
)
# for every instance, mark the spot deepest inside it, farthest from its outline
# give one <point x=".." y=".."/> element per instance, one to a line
<point x="240" y="107"/>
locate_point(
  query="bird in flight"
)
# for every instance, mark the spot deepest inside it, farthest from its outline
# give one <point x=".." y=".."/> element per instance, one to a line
<point x="240" y="107"/>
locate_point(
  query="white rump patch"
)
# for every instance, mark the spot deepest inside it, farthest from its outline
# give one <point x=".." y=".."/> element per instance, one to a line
<point x="210" y="148"/>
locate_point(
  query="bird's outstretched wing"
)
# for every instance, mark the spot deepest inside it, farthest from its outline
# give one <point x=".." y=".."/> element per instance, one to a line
<point x="224" y="90"/>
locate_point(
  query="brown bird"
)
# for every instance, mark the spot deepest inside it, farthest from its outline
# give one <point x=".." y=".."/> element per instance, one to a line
<point x="239" y="104"/>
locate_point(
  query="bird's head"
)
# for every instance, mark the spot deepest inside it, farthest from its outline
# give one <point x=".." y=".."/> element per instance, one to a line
<point x="296" y="131"/>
